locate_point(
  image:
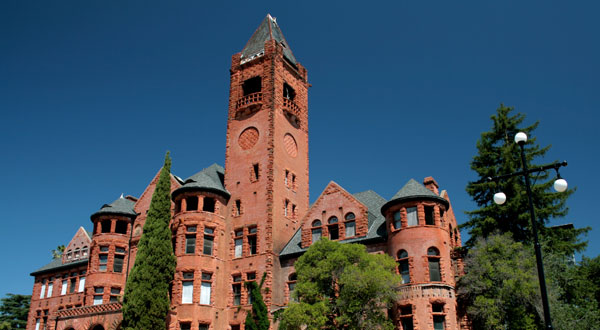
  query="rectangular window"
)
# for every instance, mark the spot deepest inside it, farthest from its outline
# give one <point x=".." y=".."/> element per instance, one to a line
<point x="429" y="220"/>
<point x="404" y="272"/>
<point x="202" y="326"/>
<point x="293" y="182"/>
<point x="43" y="291"/>
<point x="209" y="237"/>
<point x="316" y="234"/>
<point x="37" y="324"/>
<point x="285" y="179"/>
<point x="81" y="284"/>
<point x="439" y="322"/>
<point x="407" y="323"/>
<point x="50" y="285"/>
<point x="252" y="244"/>
<point x="121" y="227"/>
<point x="185" y="326"/>
<point x="286" y="207"/>
<point x="238" y="207"/>
<point x="350" y="228"/>
<point x="114" y="294"/>
<point x="333" y="232"/>
<point x="106" y="226"/>
<point x="411" y="216"/>
<point x="98" y="295"/>
<point x="72" y="286"/>
<point x="190" y="244"/>
<point x="205" y="289"/>
<point x="118" y="263"/>
<point x="256" y="171"/>
<point x="397" y="220"/>
<point x="434" y="270"/>
<point x="63" y="289"/>
<point x="191" y="203"/>
<point x="103" y="261"/>
<point x="238" y="247"/>
<point x="187" y="292"/>
<point x="104" y="249"/>
<point x="209" y="204"/>
<point x="237" y="294"/>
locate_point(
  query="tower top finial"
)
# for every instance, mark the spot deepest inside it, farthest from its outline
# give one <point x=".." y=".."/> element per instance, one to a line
<point x="267" y="30"/>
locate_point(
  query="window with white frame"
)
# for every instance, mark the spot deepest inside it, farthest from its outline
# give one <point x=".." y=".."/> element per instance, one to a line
<point x="412" y="218"/>
<point x="205" y="289"/>
<point x="187" y="292"/>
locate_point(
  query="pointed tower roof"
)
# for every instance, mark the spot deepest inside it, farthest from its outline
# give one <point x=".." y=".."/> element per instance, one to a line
<point x="122" y="206"/>
<point x="267" y="30"/>
<point x="211" y="178"/>
<point x="413" y="190"/>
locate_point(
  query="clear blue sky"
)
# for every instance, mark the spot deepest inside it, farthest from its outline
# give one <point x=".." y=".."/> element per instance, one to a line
<point x="92" y="94"/>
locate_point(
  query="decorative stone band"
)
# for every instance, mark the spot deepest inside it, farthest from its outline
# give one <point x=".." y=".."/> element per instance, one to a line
<point x="426" y="291"/>
<point x="90" y="310"/>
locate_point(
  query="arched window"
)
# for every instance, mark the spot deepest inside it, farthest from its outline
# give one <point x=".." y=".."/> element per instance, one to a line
<point x="316" y="230"/>
<point x="333" y="228"/>
<point x="350" y="224"/>
<point x="69" y="254"/>
<point x="435" y="274"/>
<point x="84" y="251"/>
<point x="403" y="268"/>
<point x="76" y="253"/>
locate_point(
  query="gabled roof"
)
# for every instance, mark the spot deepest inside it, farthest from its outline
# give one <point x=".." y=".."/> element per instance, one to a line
<point x="413" y="190"/>
<point x="211" y="178"/>
<point x="267" y="30"/>
<point x="377" y="229"/>
<point x="122" y="206"/>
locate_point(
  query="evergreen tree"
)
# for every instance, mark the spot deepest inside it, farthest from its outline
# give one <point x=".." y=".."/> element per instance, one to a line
<point x="258" y="317"/>
<point x="500" y="288"/>
<point x="498" y="154"/>
<point x="342" y="286"/>
<point x="146" y="301"/>
<point x="13" y="311"/>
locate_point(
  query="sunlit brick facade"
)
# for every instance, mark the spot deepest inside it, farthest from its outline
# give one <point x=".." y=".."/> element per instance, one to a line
<point x="232" y="225"/>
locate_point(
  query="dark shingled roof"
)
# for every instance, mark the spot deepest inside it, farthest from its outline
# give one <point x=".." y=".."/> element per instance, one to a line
<point x="267" y="30"/>
<point x="413" y="190"/>
<point x="122" y="206"/>
<point x="56" y="264"/>
<point x="377" y="230"/>
<point x="211" y="178"/>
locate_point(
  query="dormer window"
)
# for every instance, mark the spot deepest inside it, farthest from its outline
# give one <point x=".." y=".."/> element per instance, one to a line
<point x="333" y="228"/>
<point x="252" y="85"/>
<point x="316" y="230"/>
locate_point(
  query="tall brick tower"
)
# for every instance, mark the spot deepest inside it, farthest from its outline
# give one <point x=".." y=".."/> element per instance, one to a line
<point x="266" y="163"/>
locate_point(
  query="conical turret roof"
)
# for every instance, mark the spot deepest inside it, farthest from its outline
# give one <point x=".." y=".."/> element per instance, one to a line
<point x="211" y="178"/>
<point x="267" y="30"/>
<point x="413" y="190"/>
<point x="122" y="206"/>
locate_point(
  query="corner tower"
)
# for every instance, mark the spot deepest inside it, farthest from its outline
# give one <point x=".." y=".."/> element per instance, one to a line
<point x="266" y="162"/>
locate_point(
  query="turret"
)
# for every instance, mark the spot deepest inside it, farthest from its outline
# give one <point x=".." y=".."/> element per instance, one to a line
<point x="109" y="252"/>
<point x="419" y="238"/>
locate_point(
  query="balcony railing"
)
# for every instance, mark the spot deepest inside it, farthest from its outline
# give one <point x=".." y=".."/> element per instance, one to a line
<point x="426" y="290"/>
<point x="291" y="107"/>
<point x="248" y="100"/>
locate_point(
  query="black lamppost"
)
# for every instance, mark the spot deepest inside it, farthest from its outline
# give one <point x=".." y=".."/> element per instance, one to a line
<point x="560" y="185"/>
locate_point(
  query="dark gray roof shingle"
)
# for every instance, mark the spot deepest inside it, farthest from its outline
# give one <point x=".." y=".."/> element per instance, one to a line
<point x="211" y="178"/>
<point x="413" y="190"/>
<point x="122" y="206"/>
<point x="267" y="30"/>
<point x="56" y="264"/>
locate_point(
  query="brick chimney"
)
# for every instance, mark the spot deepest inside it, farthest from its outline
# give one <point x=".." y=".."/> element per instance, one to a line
<point x="431" y="184"/>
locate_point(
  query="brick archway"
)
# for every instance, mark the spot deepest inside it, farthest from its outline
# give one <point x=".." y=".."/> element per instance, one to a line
<point x="97" y="327"/>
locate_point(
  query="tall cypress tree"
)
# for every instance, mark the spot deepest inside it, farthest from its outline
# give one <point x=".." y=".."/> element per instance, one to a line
<point x="258" y="317"/>
<point x="498" y="154"/>
<point x="146" y="301"/>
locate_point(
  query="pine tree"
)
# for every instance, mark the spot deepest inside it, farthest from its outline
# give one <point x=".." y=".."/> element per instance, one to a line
<point x="258" y="317"/>
<point x="498" y="154"/>
<point x="146" y="301"/>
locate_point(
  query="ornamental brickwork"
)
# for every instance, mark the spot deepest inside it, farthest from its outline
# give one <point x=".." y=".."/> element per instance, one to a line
<point x="232" y="225"/>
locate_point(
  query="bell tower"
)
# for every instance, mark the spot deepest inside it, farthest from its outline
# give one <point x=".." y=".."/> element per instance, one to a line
<point x="266" y="162"/>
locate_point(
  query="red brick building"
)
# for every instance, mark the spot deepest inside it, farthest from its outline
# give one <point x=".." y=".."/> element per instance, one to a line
<point x="232" y="224"/>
